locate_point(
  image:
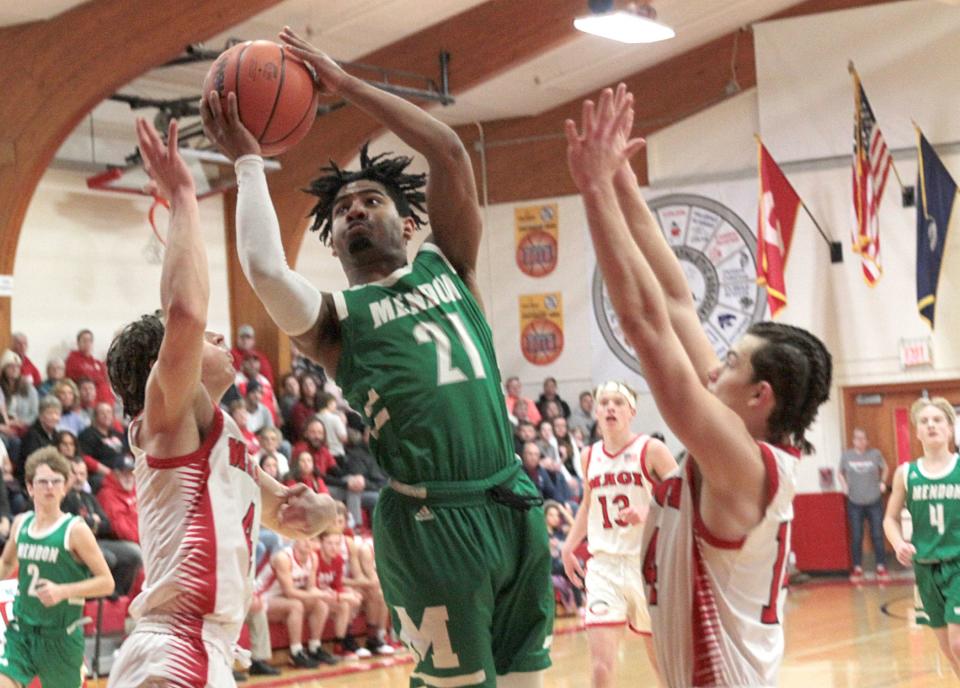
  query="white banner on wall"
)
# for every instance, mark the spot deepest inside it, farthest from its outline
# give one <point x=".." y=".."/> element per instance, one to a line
<point x="711" y="228"/>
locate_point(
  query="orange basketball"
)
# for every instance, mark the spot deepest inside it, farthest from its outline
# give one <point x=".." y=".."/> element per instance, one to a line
<point x="276" y="96"/>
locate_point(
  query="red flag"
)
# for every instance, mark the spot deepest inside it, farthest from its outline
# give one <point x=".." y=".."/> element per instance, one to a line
<point x="776" y="217"/>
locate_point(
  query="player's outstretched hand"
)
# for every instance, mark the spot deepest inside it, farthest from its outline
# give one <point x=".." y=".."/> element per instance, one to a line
<point x="905" y="552"/>
<point x="49" y="592"/>
<point x="572" y="567"/>
<point x="224" y="128"/>
<point x="168" y="172"/>
<point x="329" y="73"/>
<point x="305" y="512"/>
<point x="601" y="146"/>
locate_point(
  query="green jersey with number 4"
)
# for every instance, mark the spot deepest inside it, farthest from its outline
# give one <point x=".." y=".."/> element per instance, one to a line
<point x="418" y="362"/>
<point x="46" y="556"/>
<point x="934" y="506"/>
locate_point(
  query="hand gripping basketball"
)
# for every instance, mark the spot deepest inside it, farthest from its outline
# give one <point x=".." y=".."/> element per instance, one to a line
<point x="225" y="129"/>
<point x="330" y="75"/>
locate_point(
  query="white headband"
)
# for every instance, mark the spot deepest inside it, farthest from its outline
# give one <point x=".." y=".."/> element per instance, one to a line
<point x="614" y="387"/>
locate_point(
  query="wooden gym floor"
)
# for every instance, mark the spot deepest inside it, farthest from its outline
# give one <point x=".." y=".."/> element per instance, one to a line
<point x="838" y="636"/>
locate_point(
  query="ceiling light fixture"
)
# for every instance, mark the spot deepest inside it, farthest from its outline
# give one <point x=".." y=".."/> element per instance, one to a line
<point x="635" y="23"/>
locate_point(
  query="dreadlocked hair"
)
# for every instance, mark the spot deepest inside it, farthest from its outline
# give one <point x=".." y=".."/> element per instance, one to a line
<point x="799" y="368"/>
<point x="405" y="190"/>
<point x="131" y="354"/>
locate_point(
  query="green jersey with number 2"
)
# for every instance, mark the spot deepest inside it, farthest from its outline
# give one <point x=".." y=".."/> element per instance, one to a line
<point x="418" y="362"/>
<point x="934" y="506"/>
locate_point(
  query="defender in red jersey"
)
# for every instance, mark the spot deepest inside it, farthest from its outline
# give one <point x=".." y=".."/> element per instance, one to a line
<point x="717" y="538"/>
<point x="200" y="492"/>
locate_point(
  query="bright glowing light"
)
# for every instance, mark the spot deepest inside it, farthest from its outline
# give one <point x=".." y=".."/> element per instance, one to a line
<point x="624" y="26"/>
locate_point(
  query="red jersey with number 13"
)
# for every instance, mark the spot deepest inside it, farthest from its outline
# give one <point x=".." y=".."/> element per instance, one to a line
<point x="617" y="481"/>
<point x="716" y="606"/>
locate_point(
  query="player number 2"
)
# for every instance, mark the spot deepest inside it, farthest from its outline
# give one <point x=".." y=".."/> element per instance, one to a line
<point x="447" y="373"/>
<point x="34" y="572"/>
<point x="936" y="517"/>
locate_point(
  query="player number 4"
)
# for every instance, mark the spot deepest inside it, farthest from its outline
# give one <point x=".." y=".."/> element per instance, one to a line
<point x="936" y="518"/>
<point x="447" y="373"/>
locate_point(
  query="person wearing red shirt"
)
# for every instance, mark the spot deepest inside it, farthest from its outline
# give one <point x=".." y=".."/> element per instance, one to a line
<point x="118" y="497"/>
<point x="82" y="364"/>
<point x="344" y="602"/>
<point x="27" y="369"/>
<point x="314" y="442"/>
<point x="245" y="346"/>
<point x="304" y="471"/>
<point x="250" y="372"/>
<point x="514" y="397"/>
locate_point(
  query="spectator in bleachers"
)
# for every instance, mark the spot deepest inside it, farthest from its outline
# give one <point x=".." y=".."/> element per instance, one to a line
<point x="287" y="397"/>
<point x="514" y="396"/>
<point x="6" y="514"/>
<point x="524" y="432"/>
<point x="88" y="397"/>
<point x="42" y="433"/>
<point x="583" y="417"/>
<point x="269" y="465"/>
<point x="8" y="433"/>
<point x="360" y="575"/>
<point x="301" y="365"/>
<point x="304" y="470"/>
<point x="56" y="371"/>
<point x="309" y="405"/>
<point x="81" y="363"/>
<point x="246" y="346"/>
<point x="250" y="372"/>
<point x="102" y="440"/>
<point x="314" y="442"/>
<point x="13" y="491"/>
<point x="334" y="423"/>
<point x="546" y="441"/>
<point x="271" y="445"/>
<point x="288" y="588"/>
<point x="358" y="461"/>
<point x="118" y="497"/>
<point x="344" y="603"/>
<point x="550" y="394"/>
<point x="258" y="415"/>
<point x="548" y="480"/>
<point x="21" y="396"/>
<point x="28" y="370"/>
<point x="551" y="410"/>
<point x="238" y="411"/>
<point x="68" y="445"/>
<point x="124" y="558"/>
<point x="559" y="521"/>
<point x="571" y="460"/>
<point x="71" y="417"/>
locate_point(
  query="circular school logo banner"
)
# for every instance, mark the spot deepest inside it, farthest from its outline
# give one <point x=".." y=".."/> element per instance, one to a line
<point x="718" y="254"/>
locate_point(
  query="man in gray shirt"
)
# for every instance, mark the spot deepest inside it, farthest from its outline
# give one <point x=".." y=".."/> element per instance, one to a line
<point x="863" y="476"/>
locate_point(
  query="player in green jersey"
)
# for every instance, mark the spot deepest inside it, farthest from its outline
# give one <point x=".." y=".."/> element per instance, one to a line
<point x="461" y="545"/>
<point x="930" y="489"/>
<point x="60" y="565"/>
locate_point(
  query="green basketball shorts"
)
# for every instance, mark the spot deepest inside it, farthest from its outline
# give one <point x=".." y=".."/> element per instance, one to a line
<point x="938" y="593"/>
<point x="50" y="653"/>
<point x="467" y="579"/>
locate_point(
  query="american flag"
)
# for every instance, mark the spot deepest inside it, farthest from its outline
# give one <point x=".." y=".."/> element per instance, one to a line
<point x="871" y="165"/>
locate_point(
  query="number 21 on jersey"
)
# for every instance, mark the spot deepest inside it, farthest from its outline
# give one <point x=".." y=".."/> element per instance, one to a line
<point x="447" y="373"/>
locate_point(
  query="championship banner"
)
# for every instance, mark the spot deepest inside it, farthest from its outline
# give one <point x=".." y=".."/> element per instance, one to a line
<point x="541" y="327"/>
<point x="536" y="238"/>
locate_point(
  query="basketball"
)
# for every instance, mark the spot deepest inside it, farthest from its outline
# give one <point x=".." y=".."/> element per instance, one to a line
<point x="276" y="97"/>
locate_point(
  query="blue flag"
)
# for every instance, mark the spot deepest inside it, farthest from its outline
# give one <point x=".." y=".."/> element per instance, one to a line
<point x="938" y="193"/>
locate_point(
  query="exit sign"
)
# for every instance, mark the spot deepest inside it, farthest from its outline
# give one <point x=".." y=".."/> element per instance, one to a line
<point x="915" y="352"/>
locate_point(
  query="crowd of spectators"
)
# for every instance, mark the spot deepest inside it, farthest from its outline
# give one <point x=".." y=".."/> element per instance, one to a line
<point x="301" y="432"/>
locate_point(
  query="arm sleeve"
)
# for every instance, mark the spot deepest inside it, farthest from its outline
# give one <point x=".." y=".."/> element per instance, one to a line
<point x="292" y="302"/>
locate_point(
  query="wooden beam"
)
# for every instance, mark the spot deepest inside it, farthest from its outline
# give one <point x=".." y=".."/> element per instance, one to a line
<point x="526" y="156"/>
<point x="65" y="66"/>
<point x="483" y="42"/>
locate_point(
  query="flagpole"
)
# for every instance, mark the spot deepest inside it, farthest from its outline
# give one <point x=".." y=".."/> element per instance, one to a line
<point x="856" y="84"/>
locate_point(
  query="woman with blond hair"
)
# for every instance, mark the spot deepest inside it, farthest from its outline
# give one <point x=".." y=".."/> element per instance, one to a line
<point x="929" y="487"/>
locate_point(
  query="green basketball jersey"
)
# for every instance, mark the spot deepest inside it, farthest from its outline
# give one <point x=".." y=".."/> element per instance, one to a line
<point x="934" y="506"/>
<point x="47" y="557"/>
<point x="418" y="363"/>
